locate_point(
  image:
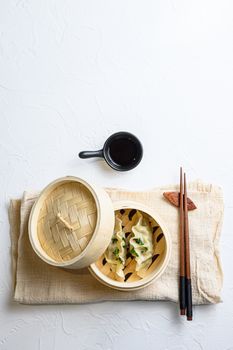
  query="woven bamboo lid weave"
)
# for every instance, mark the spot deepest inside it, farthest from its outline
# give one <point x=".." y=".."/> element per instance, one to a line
<point x="67" y="221"/>
<point x="71" y="223"/>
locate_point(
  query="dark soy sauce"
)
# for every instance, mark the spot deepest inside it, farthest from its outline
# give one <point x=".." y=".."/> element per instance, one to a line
<point x="123" y="151"/>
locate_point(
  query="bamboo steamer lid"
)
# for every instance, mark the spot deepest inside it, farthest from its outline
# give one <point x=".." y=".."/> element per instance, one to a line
<point x="71" y="223"/>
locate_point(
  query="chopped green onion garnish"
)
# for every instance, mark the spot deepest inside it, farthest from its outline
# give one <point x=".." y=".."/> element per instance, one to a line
<point x="114" y="240"/>
<point x="138" y="241"/>
<point x="144" y="249"/>
<point x="133" y="252"/>
<point x="116" y="251"/>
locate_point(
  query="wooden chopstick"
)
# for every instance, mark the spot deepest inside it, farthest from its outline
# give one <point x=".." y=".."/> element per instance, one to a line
<point x="182" y="290"/>
<point x="185" y="285"/>
<point x="188" y="284"/>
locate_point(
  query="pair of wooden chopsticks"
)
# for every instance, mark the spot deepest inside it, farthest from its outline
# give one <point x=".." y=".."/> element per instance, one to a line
<point x="185" y="287"/>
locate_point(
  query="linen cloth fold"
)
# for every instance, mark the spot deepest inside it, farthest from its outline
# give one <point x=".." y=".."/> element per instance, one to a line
<point x="36" y="282"/>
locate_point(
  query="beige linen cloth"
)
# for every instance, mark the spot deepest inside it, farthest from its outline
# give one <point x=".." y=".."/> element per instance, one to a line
<point x="36" y="282"/>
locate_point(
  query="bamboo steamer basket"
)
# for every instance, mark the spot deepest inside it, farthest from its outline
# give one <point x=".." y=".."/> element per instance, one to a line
<point x="101" y="271"/>
<point x="71" y="223"/>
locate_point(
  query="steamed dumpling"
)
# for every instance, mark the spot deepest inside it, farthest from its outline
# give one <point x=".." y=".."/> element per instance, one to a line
<point x="141" y="245"/>
<point x="116" y="251"/>
<point x="132" y="246"/>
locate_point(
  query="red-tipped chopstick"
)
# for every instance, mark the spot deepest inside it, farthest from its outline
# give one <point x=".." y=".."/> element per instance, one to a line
<point x="188" y="285"/>
<point x="182" y="250"/>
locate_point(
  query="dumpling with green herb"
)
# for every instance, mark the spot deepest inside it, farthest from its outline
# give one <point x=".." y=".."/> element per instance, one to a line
<point x="116" y="251"/>
<point x="141" y="245"/>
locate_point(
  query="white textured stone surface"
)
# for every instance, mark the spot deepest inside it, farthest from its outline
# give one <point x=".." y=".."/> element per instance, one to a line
<point x="73" y="72"/>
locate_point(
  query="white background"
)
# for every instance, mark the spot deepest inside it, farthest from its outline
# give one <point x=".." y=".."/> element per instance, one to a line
<point x="73" y="72"/>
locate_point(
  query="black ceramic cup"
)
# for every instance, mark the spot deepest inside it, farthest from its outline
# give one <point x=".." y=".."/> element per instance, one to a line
<point x="122" y="151"/>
